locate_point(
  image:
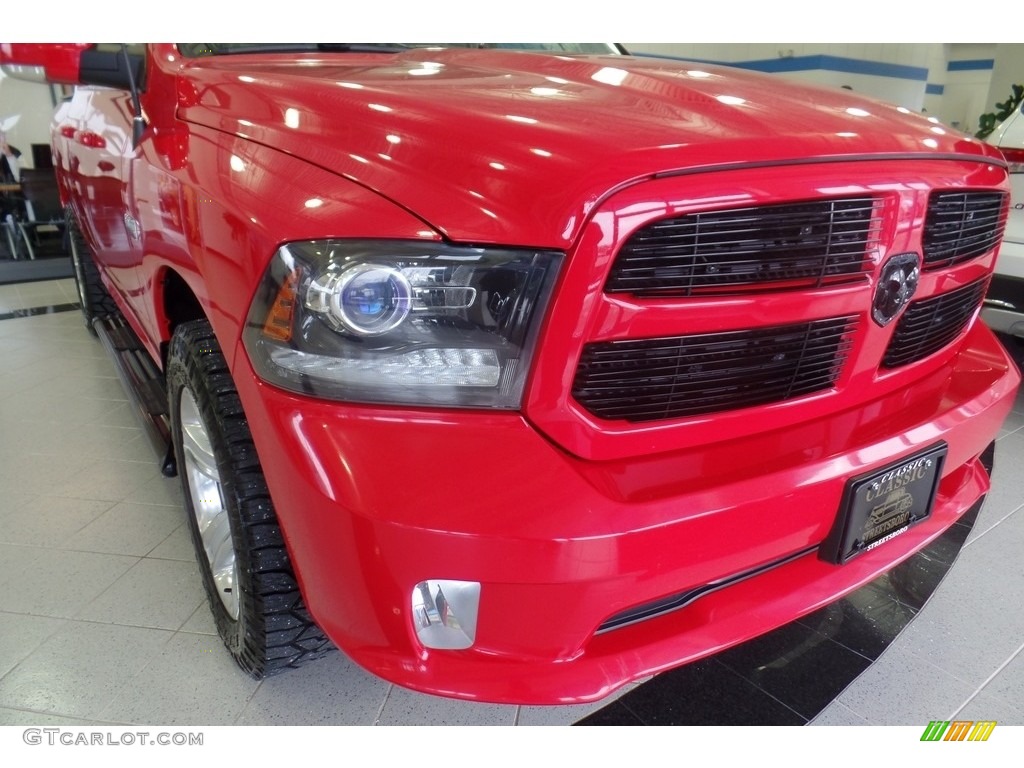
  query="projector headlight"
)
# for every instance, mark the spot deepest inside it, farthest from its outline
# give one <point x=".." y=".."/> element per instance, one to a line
<point x="366" y="299"/>
<point x="400" y="322"/>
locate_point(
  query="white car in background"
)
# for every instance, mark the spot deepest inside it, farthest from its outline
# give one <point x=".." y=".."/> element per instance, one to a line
<point x="1004" y="304"/>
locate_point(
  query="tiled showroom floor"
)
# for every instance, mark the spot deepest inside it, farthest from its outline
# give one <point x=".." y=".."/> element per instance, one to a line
<point x="103" y="619"/>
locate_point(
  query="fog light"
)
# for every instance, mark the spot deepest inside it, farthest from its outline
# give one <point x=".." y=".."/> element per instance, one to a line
<point x="444" y="613"/>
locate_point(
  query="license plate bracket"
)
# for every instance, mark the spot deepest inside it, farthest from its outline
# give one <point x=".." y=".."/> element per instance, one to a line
<point x="882" y="504"/>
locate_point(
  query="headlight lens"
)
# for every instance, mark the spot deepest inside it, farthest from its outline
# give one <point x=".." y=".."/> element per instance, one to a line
<point x="400" y="322"/>
<point x="366" y="299"/>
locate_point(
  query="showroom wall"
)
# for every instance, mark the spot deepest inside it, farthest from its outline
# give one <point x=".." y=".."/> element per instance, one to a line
<point x="25" y="110"/>
<point x="968" y="77"/>
<point x="896" y="73"/>
<point x="948" y="80"/>
<point x="1008" y="69"/>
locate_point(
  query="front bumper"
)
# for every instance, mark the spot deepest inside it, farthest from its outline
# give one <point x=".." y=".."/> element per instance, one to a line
<point x="375" y="500"/>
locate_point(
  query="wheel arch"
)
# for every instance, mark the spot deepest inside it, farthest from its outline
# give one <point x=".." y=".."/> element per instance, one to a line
<point x="177" y="303"/>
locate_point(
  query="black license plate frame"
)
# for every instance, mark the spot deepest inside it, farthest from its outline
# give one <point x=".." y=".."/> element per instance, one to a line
<point x="884" y="503"/>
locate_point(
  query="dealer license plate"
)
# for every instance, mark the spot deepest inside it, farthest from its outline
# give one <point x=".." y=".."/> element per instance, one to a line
<point x="882" y="505"/>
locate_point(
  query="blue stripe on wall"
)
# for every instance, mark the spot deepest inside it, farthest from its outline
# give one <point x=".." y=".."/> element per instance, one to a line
<point x="837" y="64"/>
<point x="969" y="64"/>
<point x="932" y="89"/>
<point x="820" y="62"/>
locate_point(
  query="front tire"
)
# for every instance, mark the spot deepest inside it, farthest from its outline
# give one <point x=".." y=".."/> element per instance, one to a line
<point x="246" y="570"/>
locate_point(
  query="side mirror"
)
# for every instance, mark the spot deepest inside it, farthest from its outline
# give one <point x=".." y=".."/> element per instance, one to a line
<point x="72" y="63"/>
<point x="59" y="62"/>
<point x="24" y="72"/>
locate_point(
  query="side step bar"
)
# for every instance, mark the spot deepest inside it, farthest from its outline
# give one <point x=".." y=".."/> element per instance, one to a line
<point x="143" y="382"/>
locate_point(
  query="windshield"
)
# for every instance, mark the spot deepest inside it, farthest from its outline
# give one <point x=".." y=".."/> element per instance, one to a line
<point x="195" y="50"/>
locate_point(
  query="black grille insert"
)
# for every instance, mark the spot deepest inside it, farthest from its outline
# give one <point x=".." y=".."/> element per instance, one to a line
<point x="962" y="225"/>
<point x="679" y="376"/>
<point x="793" y="245"/>
<point x="930" y="324"/>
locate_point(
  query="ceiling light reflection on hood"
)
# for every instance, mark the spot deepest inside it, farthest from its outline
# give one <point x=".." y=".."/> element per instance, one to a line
<point x="610" y="75"/>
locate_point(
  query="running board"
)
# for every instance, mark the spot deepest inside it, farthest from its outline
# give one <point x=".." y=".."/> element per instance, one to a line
<point x="143" y="382"/>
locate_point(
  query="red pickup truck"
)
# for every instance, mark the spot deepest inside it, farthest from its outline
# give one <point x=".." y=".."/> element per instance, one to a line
<point x="519" y="375"/>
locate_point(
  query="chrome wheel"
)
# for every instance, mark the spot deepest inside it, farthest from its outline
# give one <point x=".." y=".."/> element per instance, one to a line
<point x="205" y="488"/>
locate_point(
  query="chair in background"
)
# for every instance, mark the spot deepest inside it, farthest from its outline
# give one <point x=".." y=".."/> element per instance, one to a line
<point x="43" y="225"/>
<point x="12" y="210"/>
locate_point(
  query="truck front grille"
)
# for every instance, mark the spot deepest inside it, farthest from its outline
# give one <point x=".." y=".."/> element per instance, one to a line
<point x="671" y="377"/>
<point x="930" y="324"/>
<point x="794" y="245"/>
<point x="962" y="225"/>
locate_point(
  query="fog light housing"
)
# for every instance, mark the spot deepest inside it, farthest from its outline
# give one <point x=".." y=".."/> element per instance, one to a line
<point x="444" y="613"/>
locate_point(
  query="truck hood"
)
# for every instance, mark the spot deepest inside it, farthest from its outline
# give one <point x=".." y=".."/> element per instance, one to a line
<point x="517" y="147"/>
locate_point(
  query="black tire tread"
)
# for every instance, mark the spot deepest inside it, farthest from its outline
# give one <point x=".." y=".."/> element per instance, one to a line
<point x="95" y="299"/>
<point x="278" y="631"/>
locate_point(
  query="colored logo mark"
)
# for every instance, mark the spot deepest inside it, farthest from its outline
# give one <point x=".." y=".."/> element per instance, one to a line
<point x="958" y="730"/>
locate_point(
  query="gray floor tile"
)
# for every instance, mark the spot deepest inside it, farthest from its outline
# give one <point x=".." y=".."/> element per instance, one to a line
<point x="1014" y="422"/>
<point x="95" y="388"/>
<point x="405" y="707"/>
<point x="154" y="593"/>
<point x="85" y="367"/>
<point x="127" y="529"/>
<point x="1018" y="405"/>
<point x="43" y="292"/>
<point x="73" y="349"/>
<point x="80" y="670"/>
<point x="567" y="715"/>
<point x="1008" y="526"/>
<point x="20" y="635"/>
<point x="330" y="691"/>
<point x="1008" y="683"/>
<point x="106" y="480"/>
<point x="11" y="501"/>
<point x="556" y="716"/>
<point x="52" y="582"/>
<point x="989" y="706"/>
<point x="89" y="440"/>
<point x="49" y="520"/>
<point x="124" y="416"/>
<point x="41" y="719"/>
<point x="27" y="473"/>
<point x="213" y="693"/>
<point x="23" y="436"/>
<point x="982" y="590"/>
<point x="201" y="621"/>
<point x="903" y="689"/>
<point x="158" y="490"/>
<point x="838" y="714"/>
<point x="40" y="405"/>
<point x="177" y="545"/>
<point x="1007" y="492"/>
